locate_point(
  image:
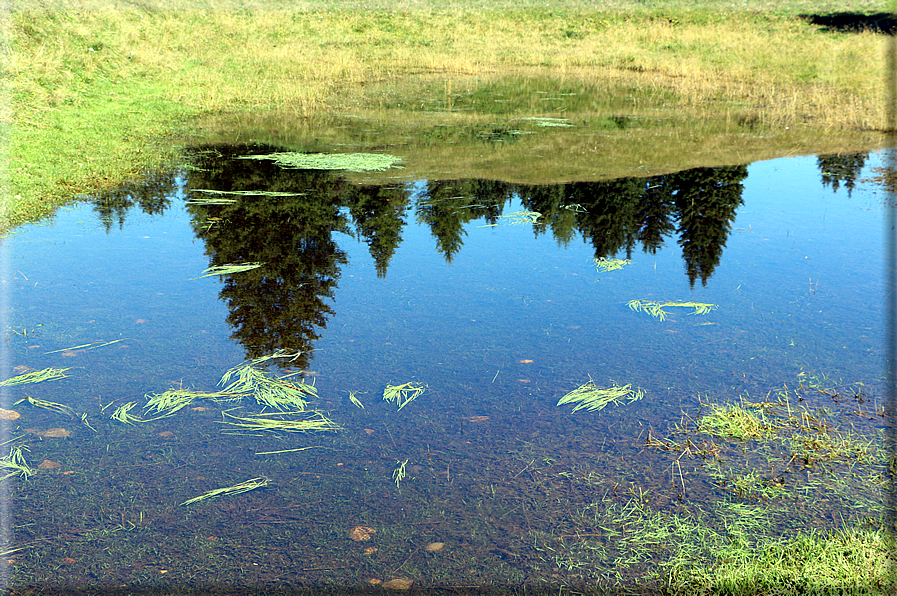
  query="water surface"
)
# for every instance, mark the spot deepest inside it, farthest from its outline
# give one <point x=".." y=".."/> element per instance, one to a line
<point x="486" y="293"/>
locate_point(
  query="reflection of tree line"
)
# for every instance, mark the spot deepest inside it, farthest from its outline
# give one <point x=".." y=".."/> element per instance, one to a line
<point x="284" y="303"/>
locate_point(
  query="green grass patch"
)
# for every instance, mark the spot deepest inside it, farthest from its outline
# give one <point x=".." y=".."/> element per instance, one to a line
<point x="100" y="95"/>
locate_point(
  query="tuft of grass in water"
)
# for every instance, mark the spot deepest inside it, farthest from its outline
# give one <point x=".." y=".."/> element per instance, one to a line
<point x="735" y="421"/>
<point x="228" y="269"/>
<point x="604" y="265"/>
<point x="399" y="473"/>
<point x="48" y="405"/>
<point x="355" y="400"/>
<point x="350" y="162"/>
<point x="301" y="421"/>
<point x="655" y="309"/>
<point x="123" y="414"/>
<point x="230" y="490"/>
<point x="15" y="462"/>
<point x="162" y="405"/>
<point x="593" y="398"/>
<point x="403" y="394"/>
<point x="274" y="392"/>
<point x="36" y="376"/>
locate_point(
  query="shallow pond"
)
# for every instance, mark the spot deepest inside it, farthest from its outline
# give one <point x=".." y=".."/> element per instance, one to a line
<point x="736" y="295"/>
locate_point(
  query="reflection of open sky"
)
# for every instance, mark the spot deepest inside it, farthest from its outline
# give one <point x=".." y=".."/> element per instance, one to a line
<point x="798" y="288"/>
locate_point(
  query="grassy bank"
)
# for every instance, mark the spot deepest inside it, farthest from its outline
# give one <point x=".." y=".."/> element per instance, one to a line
<point x="102" y="91"/>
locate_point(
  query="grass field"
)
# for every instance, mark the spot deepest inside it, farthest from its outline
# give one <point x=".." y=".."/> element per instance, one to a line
<point x="100" y="92"/>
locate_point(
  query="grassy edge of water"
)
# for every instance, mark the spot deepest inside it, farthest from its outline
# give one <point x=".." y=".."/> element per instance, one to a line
<point x="101" y="97"/>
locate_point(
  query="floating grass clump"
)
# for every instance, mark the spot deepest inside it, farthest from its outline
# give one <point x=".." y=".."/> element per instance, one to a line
<point x="48" y="405"/>
<point x="604" y="265"/>
<point x="274" y="392"/>
<point x="15" y="462"/>
<point x="230" y="490"/>
<point x="123" y="413"/>
<point x="36" y="376"/>
<point x="90" y="346"/>
<point x="655" y="309"/>
<point x="351" y="162"/>
<point x="228" y="269"/>
<point x="162" y="405"/>
<point x="593" y="398"/>
<point x="399" y="474"/>
<point x="522" y="217"/>
<point x="355" y="400"/>
<point x="403" y="394"/>
<point x="283" y="421"/>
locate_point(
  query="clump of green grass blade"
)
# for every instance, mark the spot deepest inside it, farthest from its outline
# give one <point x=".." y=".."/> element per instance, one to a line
<point x="593" y="398"/>
<point x="228" y="269"/>
<point x="48" y="405"/>
<point x="351" y="162"/>
<point x="230" y="490"/>
<point x="849" y="561"/>
<point x="283" y="421"/>
<point x="15" y="462"/>
<point x="269" y="391"/>
<point x="36" y="376"/>
<point x="655" y="309"/>
<point x="403" y="394"/>
<point x="735" y="421"/>
<point x="167" y="403"/>
<point x="604" y="265"/>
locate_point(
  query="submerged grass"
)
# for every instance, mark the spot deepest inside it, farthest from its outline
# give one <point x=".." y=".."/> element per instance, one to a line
<point x="301" y="421"/>
<point x="269" y="391"/>
<point x="655" y="309"/>
<point x="403" y="394"/>
<point x="593" y="398"/>
<point x="16" y="464"/>
<point x="228" y="269"/>
<point x="48" y="405"/>
<point x="230" y="490"/>
<point x="36" y="376"/>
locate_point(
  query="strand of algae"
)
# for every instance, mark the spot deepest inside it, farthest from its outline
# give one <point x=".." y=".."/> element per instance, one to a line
<point x="593" y="398"/>
<point x="655" y="309"/>
<point x="36" y="376"/>
<point x="352" y="162"/>
<point x="230" y="490"/>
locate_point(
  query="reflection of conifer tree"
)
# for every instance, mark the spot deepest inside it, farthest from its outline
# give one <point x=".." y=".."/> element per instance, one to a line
<point x="656" y="214"/>
<point x="152" y="195"/>
<point x="611" y="221"/>
<point x="557" y="215"/>
<point x="377" y="212"/>
<point x="841" y="168"/>
<point x="706" y="199"/>
<point x="282" y="304"/>
<point x="448" y="204"/>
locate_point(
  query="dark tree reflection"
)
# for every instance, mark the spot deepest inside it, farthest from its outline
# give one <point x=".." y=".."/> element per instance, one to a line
<point x="288" y="219"/>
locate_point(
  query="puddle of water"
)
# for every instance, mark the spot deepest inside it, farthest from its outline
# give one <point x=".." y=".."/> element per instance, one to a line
<point x="486" y="293"/>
